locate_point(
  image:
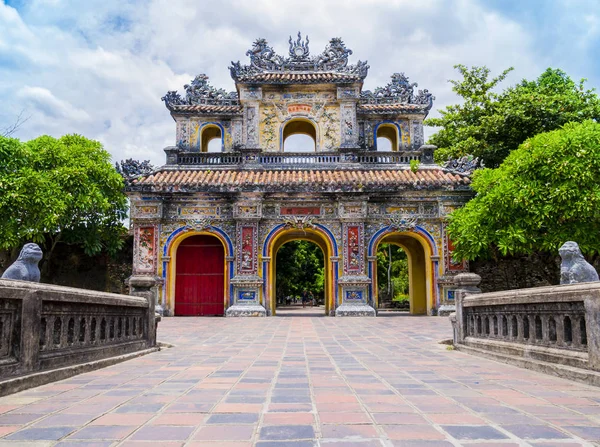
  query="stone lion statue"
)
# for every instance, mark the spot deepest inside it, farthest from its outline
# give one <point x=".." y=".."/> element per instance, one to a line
<point x="574" y="268"/>
<point x="25" y="268"/>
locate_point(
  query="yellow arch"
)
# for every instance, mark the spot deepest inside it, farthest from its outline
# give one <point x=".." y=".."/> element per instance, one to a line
<point x="389" y="131"/>
<point x="306" y="234"/>
<point x="172" y="266"/>
<point x="299" y="125"/>
<point x="208" y="133"/>
<point x="420" y="270"/>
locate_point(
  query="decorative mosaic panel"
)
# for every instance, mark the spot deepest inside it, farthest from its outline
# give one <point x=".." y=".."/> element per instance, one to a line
<point x="404" y="134"/>
<point x="195" y="211"/>
<point x="146" y="211"/>
<point x="347" y="93"/>
<point x="246" y="295"/>
<point x="451" y="265"/>
<point x="300" y="211"/>
<point x="354" y="248"/>
<point x="348" y="124"/>
<point x="418" y="138"/>
<point x="247" y="210"/>
<point x="353" y="210"/>
<point x="247" y="258"/>
<point x="414" y="208"/>
<point x="354" y="296"/>
<point x="145" y="249"/>
<point x="252" y="126"/>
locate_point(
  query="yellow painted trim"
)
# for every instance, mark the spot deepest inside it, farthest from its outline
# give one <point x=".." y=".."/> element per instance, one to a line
<point x="172" y="266"/>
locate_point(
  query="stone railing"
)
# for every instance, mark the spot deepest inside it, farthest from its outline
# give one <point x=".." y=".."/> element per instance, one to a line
<point x="295" y="160"/>
<point x="43" y="327"/>
<point x="555" y="324"/>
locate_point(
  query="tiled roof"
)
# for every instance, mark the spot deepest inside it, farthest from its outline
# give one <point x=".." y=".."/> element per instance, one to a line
<point x="208" y="109"/>
<point x="299" y="78"/>
<point x="390" y="108"/>
<point x="306" y="180"/>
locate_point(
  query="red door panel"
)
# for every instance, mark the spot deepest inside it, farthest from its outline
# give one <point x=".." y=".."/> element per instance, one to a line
<point x="199" y="282"/>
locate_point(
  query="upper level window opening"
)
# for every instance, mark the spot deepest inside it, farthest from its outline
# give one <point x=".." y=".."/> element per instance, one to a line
<point x="387" y="137"/>
<point x="299" y="135"/>
<point x="211" y="138"/>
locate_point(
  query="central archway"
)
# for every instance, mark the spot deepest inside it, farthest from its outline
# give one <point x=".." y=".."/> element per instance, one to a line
<point x="281" y="235"/>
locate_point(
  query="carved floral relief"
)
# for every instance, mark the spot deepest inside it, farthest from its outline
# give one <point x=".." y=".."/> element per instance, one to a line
<point x="247" y="243"/>
<point x="145" y="253"/>
<point x="353" y="249"/>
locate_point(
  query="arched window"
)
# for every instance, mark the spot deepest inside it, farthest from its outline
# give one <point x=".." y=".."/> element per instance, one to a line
<point x="387" y="137"/>
<point x="211" y="138"/>
<point x="299" y="135"/>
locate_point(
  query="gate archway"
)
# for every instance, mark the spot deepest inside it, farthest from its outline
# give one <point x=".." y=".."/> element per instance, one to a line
<point x="421" y="271"/>
<point x="200" y="277"/>
<point x="320" y="236"/>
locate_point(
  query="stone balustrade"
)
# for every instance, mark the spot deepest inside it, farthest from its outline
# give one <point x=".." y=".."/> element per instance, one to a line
<point x="530" y="327"/>
<point x="291" y="160"/>
<point x="43" y="326"/>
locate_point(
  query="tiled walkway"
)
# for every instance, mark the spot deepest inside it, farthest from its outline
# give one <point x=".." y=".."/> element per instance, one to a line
<point x="297" y="381"/>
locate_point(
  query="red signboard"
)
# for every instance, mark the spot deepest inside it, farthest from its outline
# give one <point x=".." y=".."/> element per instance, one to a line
<point x="300" y="211"/>
<point x="299" y="108"/>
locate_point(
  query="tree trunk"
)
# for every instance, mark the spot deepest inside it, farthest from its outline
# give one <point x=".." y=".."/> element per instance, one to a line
<point x="389" y="273"/>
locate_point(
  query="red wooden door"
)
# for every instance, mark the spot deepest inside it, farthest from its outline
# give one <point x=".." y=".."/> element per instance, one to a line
<point x="199" y="282"/>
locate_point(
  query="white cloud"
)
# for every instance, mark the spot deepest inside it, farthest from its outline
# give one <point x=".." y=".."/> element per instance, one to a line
<point x="100" y="67"/>
<point x="43" y="100"/>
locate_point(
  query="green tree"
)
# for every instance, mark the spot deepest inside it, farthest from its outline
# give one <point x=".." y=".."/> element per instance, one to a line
<point x="392" y="271"/>
<point x="61" y="190"/>
<point x="545" y="193"/>
<point x="489" y="125"/>
<point x="300" y="267"/>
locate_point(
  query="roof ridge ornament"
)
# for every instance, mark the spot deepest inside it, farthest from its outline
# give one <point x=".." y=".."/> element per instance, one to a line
<point x="263" y="59"/>
<point x="399" y="91"/>
<point x="198" y="92"/>
<point x="299" y="50"/>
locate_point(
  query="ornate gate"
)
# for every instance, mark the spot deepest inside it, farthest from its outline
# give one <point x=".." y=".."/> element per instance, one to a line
<point x="199" y="286"/>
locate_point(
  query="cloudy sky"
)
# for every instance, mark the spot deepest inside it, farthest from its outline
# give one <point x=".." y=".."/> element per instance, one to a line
<point x="100" y="67"/>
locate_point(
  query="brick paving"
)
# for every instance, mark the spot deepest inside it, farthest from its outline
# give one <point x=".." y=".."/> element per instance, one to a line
<point x="302" y="381"/>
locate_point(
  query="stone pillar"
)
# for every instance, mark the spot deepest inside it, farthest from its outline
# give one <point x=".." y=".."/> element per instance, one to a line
<point x="427" y="151"/>
<point x="354" y="281"/>
<point x="592" y="316"/>
<point x="348" y="98"/>
<point x="250" y="99"/>
<point x="466" y="284"/>
<point x="142" y="286"/>
<point x="31" y="315"/>
<point x="246" y="282"/>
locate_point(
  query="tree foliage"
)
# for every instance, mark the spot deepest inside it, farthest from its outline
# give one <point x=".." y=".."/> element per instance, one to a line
<point x="392" y="271"/>
<point x="300" y="267"/>
<point x="545" y="193"/>
<point x="489" y="125"/>
<point x="60" y="190"/>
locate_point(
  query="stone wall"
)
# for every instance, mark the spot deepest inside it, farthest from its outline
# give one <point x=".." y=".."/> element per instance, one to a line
<point x="43" y="327"/>
<point x="552" y="329"/>
<point x="521" y="272"/>
<point x="70" y="266"/>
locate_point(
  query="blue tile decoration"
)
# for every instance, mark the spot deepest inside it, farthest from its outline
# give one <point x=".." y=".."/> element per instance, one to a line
<point x="354" y="296"/>
<point x="246" y="295"/>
